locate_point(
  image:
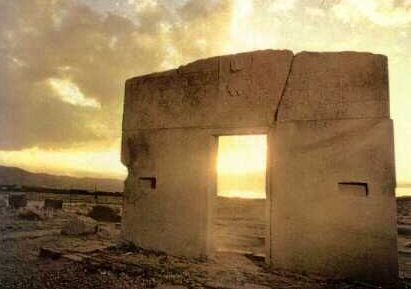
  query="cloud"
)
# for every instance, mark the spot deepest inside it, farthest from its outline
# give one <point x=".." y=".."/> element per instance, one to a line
<point x="283" y="6"/>
<point x="69" y="92"/>
<point x="380" y="12"/>
<point x="65" y="63"/>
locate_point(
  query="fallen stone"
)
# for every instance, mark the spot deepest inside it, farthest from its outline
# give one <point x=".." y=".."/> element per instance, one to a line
<point x="79" y="226"/>
<point x="16" y="236"/>
<point x="404" y="230"/>
<point x="3" y="203"/>
<point x="30" y="214"/>
<point x="49" y="253"/>
<point x="163" y="286"/>
<point x="53" y="204"/>
<point x="104" y="233"/>
<point x="74" y="257"/>
<point x="17" y="201"/>
<point x="105" y="214"/>
<point x="235" y="286"/>
<point x="253" y="286"/>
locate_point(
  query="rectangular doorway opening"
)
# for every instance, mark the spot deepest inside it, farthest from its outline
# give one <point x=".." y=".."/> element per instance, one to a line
<point x="240" y="216"/>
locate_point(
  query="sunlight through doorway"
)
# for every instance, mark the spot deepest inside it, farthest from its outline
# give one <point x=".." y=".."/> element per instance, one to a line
<point x="240" y="212"/>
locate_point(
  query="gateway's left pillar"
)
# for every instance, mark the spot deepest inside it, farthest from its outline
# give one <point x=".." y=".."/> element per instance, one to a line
<point x="165" y="196"/>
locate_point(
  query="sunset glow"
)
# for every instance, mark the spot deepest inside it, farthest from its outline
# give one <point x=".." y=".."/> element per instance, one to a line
<point x="98" y="163"/>
<point x="70" y="62"/>
<point x="241" y="166"/>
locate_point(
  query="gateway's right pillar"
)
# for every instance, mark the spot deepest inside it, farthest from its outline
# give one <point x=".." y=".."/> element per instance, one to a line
<point x="333" y="208"/>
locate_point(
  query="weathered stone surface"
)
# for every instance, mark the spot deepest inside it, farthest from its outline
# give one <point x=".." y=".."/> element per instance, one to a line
<point x="17" y="201"/>
<point x="49" y="253"/>
<point x="228" y="91"/>
<point x="404" y="230"/>
<point x="170" y="287"/>
<point x="79" y="226"/>
<point x="74" y="257"/>
<point x="179" y="162"/>
<point x="254" y="286"/>
<point x="331" y="185"/>
<point x="53" y="204"/>
<point x="336" y="85"/>
<point x="326" y="222"/>
<point x="3" y="202"/>
<point x="30" y="214"/>
<point x="104" y="214"/>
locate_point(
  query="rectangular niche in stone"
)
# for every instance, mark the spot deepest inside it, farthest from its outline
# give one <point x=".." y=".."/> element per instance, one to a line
<point x="353" y="188"/>
<point x="147" y="183"/>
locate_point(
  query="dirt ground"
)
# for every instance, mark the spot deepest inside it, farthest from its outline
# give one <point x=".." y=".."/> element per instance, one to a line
<point x="34" y="254"/>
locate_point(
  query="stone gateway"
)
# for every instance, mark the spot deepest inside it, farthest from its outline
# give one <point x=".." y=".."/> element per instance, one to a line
<point x="330" y="165"/>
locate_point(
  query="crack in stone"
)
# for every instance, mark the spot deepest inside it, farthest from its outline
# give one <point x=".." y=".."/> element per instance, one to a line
<point x="284" y="89"/>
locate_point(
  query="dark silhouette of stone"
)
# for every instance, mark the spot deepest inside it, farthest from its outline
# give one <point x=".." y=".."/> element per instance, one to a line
<point x="53" y="204"/>
<point x="17" y="201"/>
<point x="104" y="214"/>
<point x="30" y="214"/>
<point x="80" y="226"/>
<point x="49" y="253"/>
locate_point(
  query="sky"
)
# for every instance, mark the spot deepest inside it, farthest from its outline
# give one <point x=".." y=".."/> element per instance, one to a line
<point x="64" y="63"/>
<point x="241" y="166"/>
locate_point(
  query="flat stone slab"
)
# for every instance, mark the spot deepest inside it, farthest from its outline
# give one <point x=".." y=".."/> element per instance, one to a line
<point x="170" y="287"/>
<point x="252" y="286"/>
<point x="28" y="235"/>
<point x="235" y="286"/>
<point x="226" y="91"/>
<point x="336" y="85"/>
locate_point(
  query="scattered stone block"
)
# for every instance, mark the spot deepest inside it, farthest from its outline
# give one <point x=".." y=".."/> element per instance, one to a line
<point x="30" y="214"/>
<point x="79" y="226"/>
<point x="74" y="257"/>
<point x="253" y="286"/>
<point x="235" y="286"/>
<point x="3" y="203"/>
<point x="104" y="233"/>
<point x="105" y="214"/>
<point x="17" y="201"/>
<point x="404" y="230"/>
<point x="162" y="286"/>
<point x="49" y="253"/>
<point x="53" y="204"/>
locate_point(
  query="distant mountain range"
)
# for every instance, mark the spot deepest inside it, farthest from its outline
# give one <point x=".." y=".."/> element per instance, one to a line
<point x="17" y="176"/>
<point x="20" y="177"/>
